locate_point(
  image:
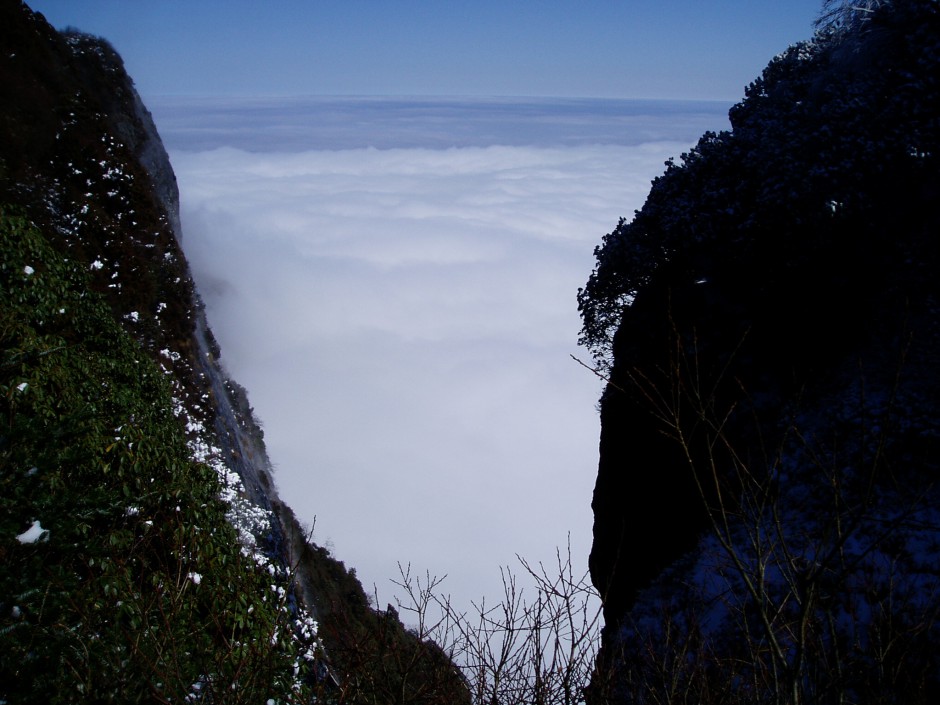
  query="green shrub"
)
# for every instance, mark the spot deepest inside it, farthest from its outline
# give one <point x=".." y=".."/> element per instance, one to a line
<point x="132" y="585"/>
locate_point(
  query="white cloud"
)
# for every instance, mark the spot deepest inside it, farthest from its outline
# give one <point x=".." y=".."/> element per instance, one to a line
<point x="402" y="320"/>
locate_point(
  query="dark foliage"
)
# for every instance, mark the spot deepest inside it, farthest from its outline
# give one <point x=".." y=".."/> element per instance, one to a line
<point x="137" y="590"/>
<point x="773" y="272"/>
<point x="831" y="125"/>
<point x="81" y="163"/>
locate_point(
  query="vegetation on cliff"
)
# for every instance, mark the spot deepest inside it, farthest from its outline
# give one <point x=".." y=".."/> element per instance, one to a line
<point x="123" y="579"/>
<point x="766" y="510"/>
<point x="145" y="556"/>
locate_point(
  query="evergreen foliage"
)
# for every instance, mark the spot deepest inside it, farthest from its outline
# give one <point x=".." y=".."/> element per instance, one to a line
<point x="137" y="588"/>
<point x="835" y="128"/>
<point x="766" y="509"/>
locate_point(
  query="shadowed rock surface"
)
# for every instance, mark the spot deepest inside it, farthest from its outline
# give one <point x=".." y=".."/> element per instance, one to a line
<point x="770" y="321"/>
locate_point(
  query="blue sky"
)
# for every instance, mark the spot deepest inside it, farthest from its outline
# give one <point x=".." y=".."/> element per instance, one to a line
<point x="695" y="49"/>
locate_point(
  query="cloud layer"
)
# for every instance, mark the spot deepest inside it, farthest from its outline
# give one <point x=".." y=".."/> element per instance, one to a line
<point x="402" y="319"/>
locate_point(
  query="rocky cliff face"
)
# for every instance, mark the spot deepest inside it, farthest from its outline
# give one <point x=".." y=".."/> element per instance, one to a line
<point x="124" y="434"/>
<point x="766" y="508"/>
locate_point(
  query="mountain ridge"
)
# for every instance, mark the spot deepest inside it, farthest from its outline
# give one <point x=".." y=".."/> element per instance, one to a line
<point x="94" y="280"/>
<point x="768" y="321"/>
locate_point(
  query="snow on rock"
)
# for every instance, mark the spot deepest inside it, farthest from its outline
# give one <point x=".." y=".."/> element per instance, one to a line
<point x="33" y="534"/>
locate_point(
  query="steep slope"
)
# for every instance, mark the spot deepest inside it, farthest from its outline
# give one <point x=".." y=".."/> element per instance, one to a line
<point x="141" y="577"/>
<point x="145" y="554"/>
<point x="766" y="509"/>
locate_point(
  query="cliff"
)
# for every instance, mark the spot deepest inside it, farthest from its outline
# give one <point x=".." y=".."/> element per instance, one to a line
<point x="767" y="523"/>
<point x="145" y="553"/>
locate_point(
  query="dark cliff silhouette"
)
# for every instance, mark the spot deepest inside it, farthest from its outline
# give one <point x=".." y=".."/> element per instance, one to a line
<point x="769" y="323"/>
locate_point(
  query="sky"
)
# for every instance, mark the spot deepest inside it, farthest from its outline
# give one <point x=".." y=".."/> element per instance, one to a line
<point x="672" y="49"/>
<point x="393" y="279"/>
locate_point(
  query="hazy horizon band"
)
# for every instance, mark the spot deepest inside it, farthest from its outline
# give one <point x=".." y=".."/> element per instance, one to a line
<point x="293" y="124"/>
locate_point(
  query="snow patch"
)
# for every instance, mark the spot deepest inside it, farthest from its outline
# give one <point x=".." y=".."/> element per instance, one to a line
<point x="33" y="534"/>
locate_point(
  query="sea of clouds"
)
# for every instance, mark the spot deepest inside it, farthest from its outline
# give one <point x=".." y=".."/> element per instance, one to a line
<point x="394" y="281"/>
